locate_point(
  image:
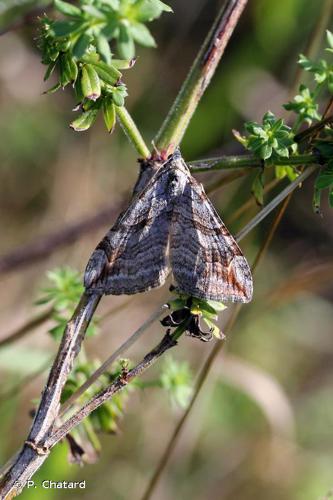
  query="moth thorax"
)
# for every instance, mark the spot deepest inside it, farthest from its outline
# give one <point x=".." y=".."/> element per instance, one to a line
<point x="176" y="183"/>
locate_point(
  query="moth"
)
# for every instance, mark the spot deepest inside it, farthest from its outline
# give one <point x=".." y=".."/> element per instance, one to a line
<point x="170" y="223"/>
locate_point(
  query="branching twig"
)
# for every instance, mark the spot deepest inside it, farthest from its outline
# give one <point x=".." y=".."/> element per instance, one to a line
<point x="111" y="359"/>
<point x="32" y="455"/>
<point x="166" y="343"/>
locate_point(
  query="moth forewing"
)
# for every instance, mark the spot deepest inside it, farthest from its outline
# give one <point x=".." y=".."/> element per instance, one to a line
<point x="131" y="258"/>
<point x="206" y="261"/>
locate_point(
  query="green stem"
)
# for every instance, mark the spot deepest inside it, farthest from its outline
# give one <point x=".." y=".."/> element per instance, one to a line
<point x="243" y="161"/>
<point x="132" y="132"/>
<point x="204" y="66"/>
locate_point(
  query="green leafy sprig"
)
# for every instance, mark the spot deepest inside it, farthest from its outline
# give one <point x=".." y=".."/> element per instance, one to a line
<point x="269" y="141"/>
<point x="63" y="294"/>
<point x="79" y="47"/>
<point x="177" y="379"/>
<point x="273" y="141"/>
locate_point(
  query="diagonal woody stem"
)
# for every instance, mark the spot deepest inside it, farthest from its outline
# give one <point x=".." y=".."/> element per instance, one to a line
<point x="32" y="455"/>
<point x="199" y="77"/>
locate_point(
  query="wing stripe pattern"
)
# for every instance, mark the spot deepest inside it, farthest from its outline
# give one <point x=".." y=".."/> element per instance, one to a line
<point x="172" y="210"/>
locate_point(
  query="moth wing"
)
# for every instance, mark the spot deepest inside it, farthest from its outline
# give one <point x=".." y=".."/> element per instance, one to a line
<point x="206" y="261"/>
<point x="131" y="258"/>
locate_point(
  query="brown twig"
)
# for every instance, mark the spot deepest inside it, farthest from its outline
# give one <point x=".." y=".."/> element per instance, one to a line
<point x="121" y="381"/>
<point x="44" y="246"/>
<point x="27" y="327"/>
<point x="111" y="359"/>
<point x="33" y="454"/>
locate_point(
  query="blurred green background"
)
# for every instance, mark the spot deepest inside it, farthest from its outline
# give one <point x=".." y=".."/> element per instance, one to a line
<point x="263" y="425"/>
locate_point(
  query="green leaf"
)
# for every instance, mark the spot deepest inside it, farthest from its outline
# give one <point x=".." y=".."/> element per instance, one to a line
<point x="142" y="35"/>
<point x="67" y="9"/>
<point x="49" y="70"/>
<point x="123" y="63"/>
<point x="163" y="6"/>
<point x="176" y="377"/>
<point x="109" y="114"/>
<point x="305" y="63"/>
<point x="65" y="28"/>
<point x="84" y="121"/>
<point x="266" y="151"/>
<point x="114" y="4"/>
<point x="217" y="306"/>
<point x="177" y="304"/>
<point x="93" y="12"/>
<point x="147" y="10"/>
<point x="109" y="74"/>
<point x="81" y="45"/>
<point x="65" y="76"/>
<point x="53" y="89"/>
<point x="118" y="95"/>
<point x="125" y="43"/>
<point x="329" y="38"/>
<point x="118" y="99"/>
<point x="68" y="69"/>
<point x="111" y="29"/>
<point x="103" y="48"/>
<point x="90" y="83"/>
<point x="258" y="187"/>
<point x="282" y="171"/>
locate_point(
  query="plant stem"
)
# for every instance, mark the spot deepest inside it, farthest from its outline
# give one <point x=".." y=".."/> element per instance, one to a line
<point x="33" y="453"/>
<point x="270" y="206"/>
<point x="111" y="359"/>
<point x="250" y="161"/>
<point x="132" y="131"/>
<point x="119" y="383"/>
<point x="200" y="74"/>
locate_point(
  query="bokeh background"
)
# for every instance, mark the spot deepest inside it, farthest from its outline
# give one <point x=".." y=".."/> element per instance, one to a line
<point x="263" y="424"/>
